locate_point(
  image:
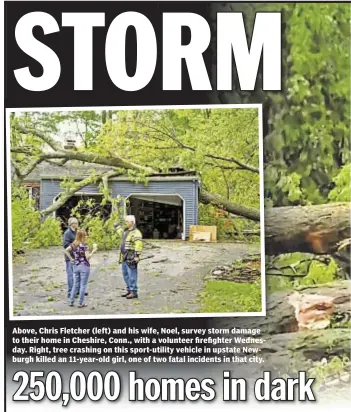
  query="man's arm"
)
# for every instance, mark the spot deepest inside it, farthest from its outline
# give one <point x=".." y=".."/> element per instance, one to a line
<point x="138" y="245"/>
<point x="68" y="254"/>
<point x="66" y="240"/>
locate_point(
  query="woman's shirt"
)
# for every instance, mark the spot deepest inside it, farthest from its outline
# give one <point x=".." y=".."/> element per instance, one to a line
<point x="79" y="254"/>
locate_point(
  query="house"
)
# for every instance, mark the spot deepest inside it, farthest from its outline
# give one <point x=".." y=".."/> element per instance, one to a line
<point x="165" y="207"/>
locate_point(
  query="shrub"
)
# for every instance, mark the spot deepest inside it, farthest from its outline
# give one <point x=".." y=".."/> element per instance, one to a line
<point x="27" y="229"/>
<point x="49" y="234"/>
<point x="24" y="218"/>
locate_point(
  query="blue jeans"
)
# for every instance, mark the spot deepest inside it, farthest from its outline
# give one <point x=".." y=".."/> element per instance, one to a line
<point x="130" y="276"/>
<point x="69" y="272"/>
<point x="80" y="281"/>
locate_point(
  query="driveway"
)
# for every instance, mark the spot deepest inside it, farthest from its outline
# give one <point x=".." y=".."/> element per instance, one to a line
<point x="169" y="282"/>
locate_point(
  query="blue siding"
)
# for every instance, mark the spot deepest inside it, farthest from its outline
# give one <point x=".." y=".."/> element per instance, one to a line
<point x="49" y="189"/>
<point x="187" y="189"/>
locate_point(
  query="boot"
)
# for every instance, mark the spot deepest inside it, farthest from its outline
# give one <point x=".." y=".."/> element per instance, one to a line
<point x="132" y="295"/>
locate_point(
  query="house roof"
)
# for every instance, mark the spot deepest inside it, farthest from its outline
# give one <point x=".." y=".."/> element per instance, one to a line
<point x="73" y="169"/>
<point x="79" y="170"/>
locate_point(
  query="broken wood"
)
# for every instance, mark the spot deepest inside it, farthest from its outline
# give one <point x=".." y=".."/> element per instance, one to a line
<point x="229" y="273"/>
<point x="247" y="270"/>
<point x="286" y="349"/>
<point x="280" y="316"/>
<point x="308" y="229"/>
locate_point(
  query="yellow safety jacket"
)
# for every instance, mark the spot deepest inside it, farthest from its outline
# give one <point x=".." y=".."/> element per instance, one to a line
<point x="133" y="241"/>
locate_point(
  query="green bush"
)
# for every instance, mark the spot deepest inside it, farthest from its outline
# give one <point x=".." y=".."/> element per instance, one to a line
<point x="342" y="189"/>
<point x="49" y="234"/>
<point x="27" y="229"/>
<point x="24" y="218"/>
<point x="101" y="231"/>
<point x="306" y="273"/>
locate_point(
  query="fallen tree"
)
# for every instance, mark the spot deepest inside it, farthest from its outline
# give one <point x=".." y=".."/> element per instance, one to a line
<point x="285" y="348"/>
<point x="240" y="210"/>
<point x="310" y="229"/>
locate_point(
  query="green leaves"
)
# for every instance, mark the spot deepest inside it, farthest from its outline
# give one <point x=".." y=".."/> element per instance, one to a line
<point x="27" y="229"/>
<point x="342" y="190"/>
<point x="313" y="121"/>
<point x="49" y="234"/>
<point x="200" y="140"/>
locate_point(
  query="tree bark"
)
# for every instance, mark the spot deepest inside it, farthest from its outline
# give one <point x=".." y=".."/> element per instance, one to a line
<point x="289" y="352"/>
<point x="65" y="196"/>
<point x="221" y="203"/>
<point x="285" y="348"/>
<point x="308" y="229"/>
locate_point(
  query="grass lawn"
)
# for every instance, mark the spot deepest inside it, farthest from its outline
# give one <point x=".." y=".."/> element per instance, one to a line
<point x="220" y="296"/>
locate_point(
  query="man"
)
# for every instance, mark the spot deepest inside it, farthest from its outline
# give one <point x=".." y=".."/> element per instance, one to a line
<point x="68" y="238"/>
<point x="131" y="248"/>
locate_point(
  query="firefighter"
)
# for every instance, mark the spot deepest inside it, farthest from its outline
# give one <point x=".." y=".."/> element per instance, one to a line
<point x="131" y="248"/>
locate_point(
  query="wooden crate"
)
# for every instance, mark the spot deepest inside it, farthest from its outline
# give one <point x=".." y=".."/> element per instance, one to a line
<point x="206" y="229"/>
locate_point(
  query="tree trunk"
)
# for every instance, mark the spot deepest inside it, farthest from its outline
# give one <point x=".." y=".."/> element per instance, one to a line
<point x="286" y="349"/>
<point x="306" y="229"/>
<point x="221" y="203"/>
<point x="309" y="229"/>
<point x="289" y="352"/>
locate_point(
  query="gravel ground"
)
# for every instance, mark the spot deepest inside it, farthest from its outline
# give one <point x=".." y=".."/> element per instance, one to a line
<point x="168" y="283"/>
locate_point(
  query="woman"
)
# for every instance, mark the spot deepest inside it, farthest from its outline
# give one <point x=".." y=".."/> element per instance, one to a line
<point x="81" y="266"/>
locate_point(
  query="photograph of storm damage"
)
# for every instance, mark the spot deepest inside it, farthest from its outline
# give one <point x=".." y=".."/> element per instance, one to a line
<point x="135" y="212"/>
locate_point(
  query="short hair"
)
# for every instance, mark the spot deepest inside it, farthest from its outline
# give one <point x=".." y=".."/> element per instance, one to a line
<point x="130" y="218"/>
<point x="72" y="220"/>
